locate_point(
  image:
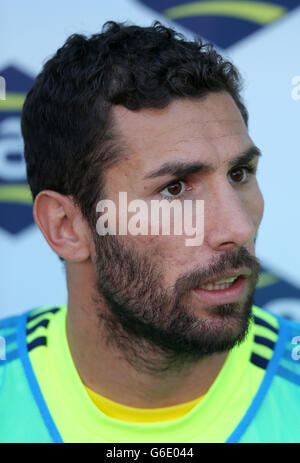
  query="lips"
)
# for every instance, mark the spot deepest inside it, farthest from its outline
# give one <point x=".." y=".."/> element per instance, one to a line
<point x="222" y="292"/>
<point x="228" y="277"/>
<point x="220" y="284"/>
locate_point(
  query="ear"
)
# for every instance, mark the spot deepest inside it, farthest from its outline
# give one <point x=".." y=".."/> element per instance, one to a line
<point x="63" y="226"/>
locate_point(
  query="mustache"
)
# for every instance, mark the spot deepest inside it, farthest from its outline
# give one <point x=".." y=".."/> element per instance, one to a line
<point x="229" y="261"/>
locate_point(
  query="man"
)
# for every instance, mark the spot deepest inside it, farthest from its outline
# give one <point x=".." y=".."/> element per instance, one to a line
<point x="160" y="341"/>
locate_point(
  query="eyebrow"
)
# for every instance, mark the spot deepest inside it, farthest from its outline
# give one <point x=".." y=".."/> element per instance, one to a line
<point x="180" y="169"/>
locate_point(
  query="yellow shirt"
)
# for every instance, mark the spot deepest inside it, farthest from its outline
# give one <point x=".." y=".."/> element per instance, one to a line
<point x="140" y="415"/>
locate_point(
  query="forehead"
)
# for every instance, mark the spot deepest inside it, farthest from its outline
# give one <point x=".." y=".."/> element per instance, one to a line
<point x="210" y="128"/>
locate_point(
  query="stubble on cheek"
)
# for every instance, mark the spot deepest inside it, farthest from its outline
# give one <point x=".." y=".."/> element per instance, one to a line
<point x="168" y="252"/>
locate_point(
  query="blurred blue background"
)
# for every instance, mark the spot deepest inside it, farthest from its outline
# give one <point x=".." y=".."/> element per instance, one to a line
<point x="261" y="38"/>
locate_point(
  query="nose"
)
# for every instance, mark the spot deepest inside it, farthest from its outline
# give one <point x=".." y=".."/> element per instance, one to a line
<point x="228" y="219"/>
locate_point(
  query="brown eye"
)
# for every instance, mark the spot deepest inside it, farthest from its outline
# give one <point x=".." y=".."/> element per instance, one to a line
<point x="238" y="175"/>
<point x="174" y="189"/>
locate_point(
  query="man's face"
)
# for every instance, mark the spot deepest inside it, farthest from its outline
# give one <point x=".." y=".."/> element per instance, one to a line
<point x="162" y="308"/>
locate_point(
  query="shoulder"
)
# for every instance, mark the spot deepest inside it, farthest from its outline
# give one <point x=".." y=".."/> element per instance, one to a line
<point x="282" y="336"/>
<point x="16" y="329"/>
<point x="274" y="339"/>
<point x="274" y="322"/>
<point x="20" y="398"/>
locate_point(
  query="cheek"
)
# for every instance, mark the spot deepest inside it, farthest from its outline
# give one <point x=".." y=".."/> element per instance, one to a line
<point x="255" y="205"/>
<point x="260" y="207"/>
<point x="169" y="251"/>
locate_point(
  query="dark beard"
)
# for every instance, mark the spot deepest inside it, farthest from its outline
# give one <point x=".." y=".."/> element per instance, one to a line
<point x="153" y="327"/>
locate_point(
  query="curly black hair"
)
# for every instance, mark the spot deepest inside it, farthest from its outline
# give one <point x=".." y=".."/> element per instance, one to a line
<point x="66" y="120"/>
